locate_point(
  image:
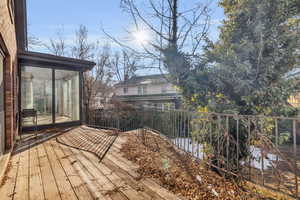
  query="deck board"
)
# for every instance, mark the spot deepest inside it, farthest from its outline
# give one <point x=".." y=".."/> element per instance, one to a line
<point x="22" y="184"/>
<point x="35" y="179"/>
<point x="82" y="171"/>
<point x="118" y="181"/>
<point x="104" y="184"/>
<point x="65" y="189"/>
<point x="131" y="180"/>
<point x="7" y="189"/>
<point x="78" y="186"/>
<point x="42" y="168"/>
<point x="49" y="182"/>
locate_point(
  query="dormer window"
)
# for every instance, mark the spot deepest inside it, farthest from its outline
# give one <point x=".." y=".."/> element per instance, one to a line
<point x="164" y="89"/>
<point x="125" y="90"/>
<point x="142" y="89"/>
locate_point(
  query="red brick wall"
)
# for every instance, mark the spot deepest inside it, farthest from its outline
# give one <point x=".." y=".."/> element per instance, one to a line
<point x="9" y="45"/>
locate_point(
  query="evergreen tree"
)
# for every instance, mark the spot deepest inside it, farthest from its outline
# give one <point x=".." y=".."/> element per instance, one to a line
<point x="246" y="70"/>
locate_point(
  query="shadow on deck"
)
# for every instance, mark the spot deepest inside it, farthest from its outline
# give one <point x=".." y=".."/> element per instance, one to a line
<point x="76" y="163"/>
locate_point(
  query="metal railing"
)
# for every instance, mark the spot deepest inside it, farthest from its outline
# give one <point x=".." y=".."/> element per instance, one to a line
<point x="262" y="149"/>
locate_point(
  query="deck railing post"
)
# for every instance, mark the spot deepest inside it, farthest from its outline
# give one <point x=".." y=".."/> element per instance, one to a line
<point x="210" y="118"/>
<point x="262" y="155"/>
<point x="184" y="132"/>
<point x="237" y="141"/>
<point x="218" y="140"/>
<point x="227" y="142"/>
<point x="249" y="143"/>
<point x="173" y="127"/>
<point x="295" y="157"/>
<point x="188" y="131"/>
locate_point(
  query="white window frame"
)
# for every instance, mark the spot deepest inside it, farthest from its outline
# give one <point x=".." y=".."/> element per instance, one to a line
<point x="163" y="89"/>
<point x="140" y="90"/>
<point x="144" y="89"/>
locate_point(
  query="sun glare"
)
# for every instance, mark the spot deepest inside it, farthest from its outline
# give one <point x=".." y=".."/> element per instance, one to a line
<point x="141" y="37"/>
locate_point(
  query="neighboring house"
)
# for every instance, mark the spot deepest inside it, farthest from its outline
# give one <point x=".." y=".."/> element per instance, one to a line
<point x="152" y="90"/>
<point x="48" y="85"/>
<point x="101" y="101"/>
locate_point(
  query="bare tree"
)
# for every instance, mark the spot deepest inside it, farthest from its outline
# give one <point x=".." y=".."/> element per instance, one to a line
<point x="34" y="42"/>
<point x="170" y="23"/>
<point x="124" y="65"/>
<point x="96" y="81"/>
<point x="58" y="46"/>
<point x="82" y="48"/>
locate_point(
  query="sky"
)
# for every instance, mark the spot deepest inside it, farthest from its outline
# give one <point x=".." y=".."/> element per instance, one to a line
<point x="47" y="17"/>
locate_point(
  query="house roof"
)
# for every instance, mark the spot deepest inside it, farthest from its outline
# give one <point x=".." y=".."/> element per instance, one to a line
<point x="35" y="58"/>
<point x="143" y="79"/>
<point x="149" y="97"/>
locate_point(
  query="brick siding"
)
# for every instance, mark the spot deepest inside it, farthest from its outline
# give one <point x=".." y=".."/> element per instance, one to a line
<point x="8" y="36"/>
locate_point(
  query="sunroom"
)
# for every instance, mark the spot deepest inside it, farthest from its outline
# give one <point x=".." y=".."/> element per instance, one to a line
<point x="51" y="89"/>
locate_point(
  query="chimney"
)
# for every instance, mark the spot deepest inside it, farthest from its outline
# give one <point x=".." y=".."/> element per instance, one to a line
<point x="21" y="24"/>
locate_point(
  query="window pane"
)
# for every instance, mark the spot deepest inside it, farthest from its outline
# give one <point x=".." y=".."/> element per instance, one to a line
<point x="139" y="89"/>
<point x="125" y="90"/>
<point x="67" y="96"/>
<point x="145" y="89"/>
<point x="164" y="89"/>
<point x="36" y="87"/>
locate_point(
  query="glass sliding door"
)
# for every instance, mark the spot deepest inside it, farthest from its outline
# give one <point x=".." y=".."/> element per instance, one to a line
<point x="37" y="93"/>
<point x="66" y="96"/>
<point x="36" y="88"/>
<point x="2" y="119"/>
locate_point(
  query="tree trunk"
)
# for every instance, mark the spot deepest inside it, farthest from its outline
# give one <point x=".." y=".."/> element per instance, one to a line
<point x="87" y="114"/>
<point x="174" y="37"/>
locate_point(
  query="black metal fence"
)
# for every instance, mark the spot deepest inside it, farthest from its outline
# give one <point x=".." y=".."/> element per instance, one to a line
<point x="262" y="149"/>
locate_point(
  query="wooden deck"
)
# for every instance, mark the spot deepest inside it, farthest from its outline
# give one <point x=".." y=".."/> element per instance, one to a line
<point x="42" y="168"/>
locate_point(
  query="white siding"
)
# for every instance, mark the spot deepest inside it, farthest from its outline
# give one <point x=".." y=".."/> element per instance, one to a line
<point x="151" y="89"/>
